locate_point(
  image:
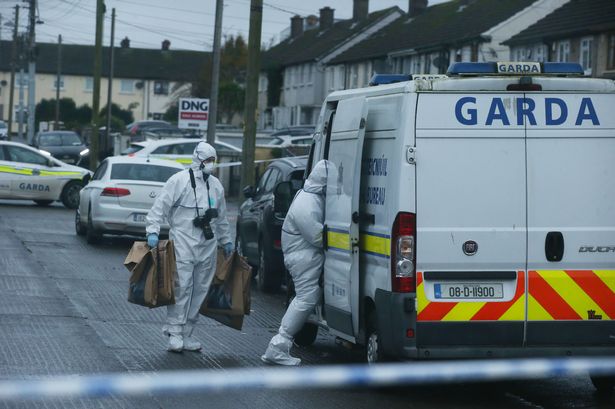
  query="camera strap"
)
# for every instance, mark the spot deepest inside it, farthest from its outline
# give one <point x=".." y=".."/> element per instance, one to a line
<point x="193" y="184"/>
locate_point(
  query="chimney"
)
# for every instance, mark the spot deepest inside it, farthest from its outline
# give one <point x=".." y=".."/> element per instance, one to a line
<point x="296" y="26"/>
<point x="166" y="44"/>
<point x="360" y="10"/>
<point x="416" y="7"/>
<point x="125" y="43"/>
<point x="326" y="18"/>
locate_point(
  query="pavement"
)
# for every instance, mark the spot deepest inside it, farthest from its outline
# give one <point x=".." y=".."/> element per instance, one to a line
<point x="63" y="311"/>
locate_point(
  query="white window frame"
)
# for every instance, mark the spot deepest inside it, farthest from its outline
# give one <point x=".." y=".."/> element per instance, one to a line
<point x="563" y="51"/>
<point x="55" y="83"/>
<point x="124" y="88"/>
<point x="585" y="54"/>
<point x="89" y="84"/>
<point x="610" y="62"/>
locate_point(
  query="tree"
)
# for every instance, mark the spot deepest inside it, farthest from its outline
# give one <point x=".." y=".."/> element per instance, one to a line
<point x="231" y="100"/>
<point x="119" y="117"/>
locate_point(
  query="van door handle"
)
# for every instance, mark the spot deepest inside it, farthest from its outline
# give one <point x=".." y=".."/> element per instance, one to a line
<point x="554" y="246"/>
<point x="368" y="218"/>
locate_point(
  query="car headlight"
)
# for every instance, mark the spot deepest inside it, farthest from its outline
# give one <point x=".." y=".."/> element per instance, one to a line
<point x="44" y="152"/>
<point x="84" y="152"/>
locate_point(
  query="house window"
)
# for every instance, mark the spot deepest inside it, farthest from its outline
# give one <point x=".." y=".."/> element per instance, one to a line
<point x="24" y="80"/>
<point x="611" y="54"/>
<point x="161" y="87"/>
<point x="55" y="82"/>
<point x="563" y="51"/>
<point x="416" y="64"/>
<point x="89" y="84"/>
<point x="540" y="53"/>
<point x="127" y="86"/>
<point x="586" y="55"/>
<point x="311" y="73"/>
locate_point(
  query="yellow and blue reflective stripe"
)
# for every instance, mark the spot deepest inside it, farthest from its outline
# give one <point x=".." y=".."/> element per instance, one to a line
<point x="31" y="172"/>
<point x="371" y="243"/>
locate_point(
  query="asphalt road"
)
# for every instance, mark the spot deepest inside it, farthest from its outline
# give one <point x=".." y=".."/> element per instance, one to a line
<point x="63" y="310"/>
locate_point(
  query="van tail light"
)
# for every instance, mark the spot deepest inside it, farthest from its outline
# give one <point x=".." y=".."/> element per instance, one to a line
<point x="115" y="192"/>
<point x="403" y="253"/>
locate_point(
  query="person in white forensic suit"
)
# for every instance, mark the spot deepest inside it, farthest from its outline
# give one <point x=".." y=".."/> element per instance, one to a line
<point x="304" y="257"/>
<point x="192" y="202"/>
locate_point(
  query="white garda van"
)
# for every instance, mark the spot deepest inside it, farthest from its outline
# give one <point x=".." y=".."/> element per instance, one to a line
<point x="471" y="215"/>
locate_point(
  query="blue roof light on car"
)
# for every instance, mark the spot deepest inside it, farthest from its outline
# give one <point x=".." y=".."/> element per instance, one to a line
<point x="514" y="68"/>
<point x="381" y="79"/>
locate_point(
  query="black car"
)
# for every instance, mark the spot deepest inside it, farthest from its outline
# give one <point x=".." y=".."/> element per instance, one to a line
<point x="63" y="145"/>
<point x="137" y="129"/>
<point x="259" y="227"/>
<point x="298" y="130"/>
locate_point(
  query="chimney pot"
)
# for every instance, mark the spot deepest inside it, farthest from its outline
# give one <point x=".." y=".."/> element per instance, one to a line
<point x="125" y="43"/>
<point x="326" y="18"/>
<point x="166" y="44"/>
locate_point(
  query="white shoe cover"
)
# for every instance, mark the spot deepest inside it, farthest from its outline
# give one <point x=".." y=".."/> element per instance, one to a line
<point x="191" y="344"/>
<point x="278" y="352"/>
<point x="176" y="343"/>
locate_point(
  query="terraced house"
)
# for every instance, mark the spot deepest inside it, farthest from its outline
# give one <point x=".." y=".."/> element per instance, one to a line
<point x="293" y="80"/>
<point x="429" y="38"/>
<point x="144" y="79"/>
<point x="581" y="31"/>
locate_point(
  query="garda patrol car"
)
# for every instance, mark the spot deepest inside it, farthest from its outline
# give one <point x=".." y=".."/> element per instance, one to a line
<point x="471" y="215"/>
<point x="26" y="173"/>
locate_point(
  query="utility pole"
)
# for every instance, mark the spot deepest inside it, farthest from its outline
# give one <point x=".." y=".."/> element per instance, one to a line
<point x="31" y="69"/>
<point x="215" y="76"/>
<point x="13" y="64"/>
<point x="58" y="78"/>
<point x="94" y="145"/>
<point x="110" y="85"/>
<point x="21" y="107"/>
<point x="254" y="54"/>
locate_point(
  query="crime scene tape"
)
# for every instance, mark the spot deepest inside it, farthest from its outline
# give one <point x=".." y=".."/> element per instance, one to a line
<point x="338" y="376"/>
<point x="231" y="164"/>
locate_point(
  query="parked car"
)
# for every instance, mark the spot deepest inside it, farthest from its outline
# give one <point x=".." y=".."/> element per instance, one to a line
<point x="66" y="146"/>
<point x="259" y="227"/>
<point x="285" y="141"/>
<point x="4" y="131"/>
<point x="26" y="173"/>
<point x="179" y="150"/>
<point x="119" y="195"/>
<point x="298" y="130"/>
<point x="138" y="128"/>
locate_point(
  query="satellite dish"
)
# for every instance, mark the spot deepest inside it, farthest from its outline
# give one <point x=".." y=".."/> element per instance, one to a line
<point x="139" y="85"/>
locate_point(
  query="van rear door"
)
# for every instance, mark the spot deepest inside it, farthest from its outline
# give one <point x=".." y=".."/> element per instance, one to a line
<point x="341" y="286"/>
<point x="471" y="220"/>
<point x="571" y="220"/>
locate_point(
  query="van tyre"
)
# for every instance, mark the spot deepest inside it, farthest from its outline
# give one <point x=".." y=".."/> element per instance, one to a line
<point x="268" y="280"/>
<point x="70" y="194"/>
<point x="91" y="235"/>
<point x="603" y="384"/>
<point x="373" y="345"/>
<point x="307" y="335"/>
<point x="79" y="227"/>
<point x="43" y="202"/>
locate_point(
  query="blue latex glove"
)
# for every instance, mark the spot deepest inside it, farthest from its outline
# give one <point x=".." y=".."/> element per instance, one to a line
<point x="228" y="249"/>
<point x="152" y="240"/>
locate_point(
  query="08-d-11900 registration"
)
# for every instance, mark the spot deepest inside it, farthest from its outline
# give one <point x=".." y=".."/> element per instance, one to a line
<point x="469" y="290"/>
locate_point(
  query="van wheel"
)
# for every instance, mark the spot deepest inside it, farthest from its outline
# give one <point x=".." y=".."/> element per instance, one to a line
<point x="603" y="384"/>
<point x="373" y="347"/>
<point x="307" y="335"/>
<point x="70" y="194"/>
<point x="268" y="280"/>
<point x="43" y="202"/>
<point x="79" y="227"/>
<point x="91" y="235"/>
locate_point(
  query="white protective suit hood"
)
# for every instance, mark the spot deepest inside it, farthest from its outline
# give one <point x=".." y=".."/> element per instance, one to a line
<point x="317" y="181"/>
<point x="202" y="151"/>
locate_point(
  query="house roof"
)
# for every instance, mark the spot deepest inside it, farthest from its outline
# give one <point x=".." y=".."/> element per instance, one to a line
<point x="445" y="24"/>
<point x="578" y="17"/>
<point x="137" y="63"/>
<point x="314" y="44"/>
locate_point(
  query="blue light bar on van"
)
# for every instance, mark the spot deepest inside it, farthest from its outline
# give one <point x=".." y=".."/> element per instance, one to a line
<point x="514" y="68"/>
<point x="381" y="79"/>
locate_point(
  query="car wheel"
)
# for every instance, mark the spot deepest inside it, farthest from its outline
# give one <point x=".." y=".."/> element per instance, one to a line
<point x="373" y="346"/>
<point x="79" y="227"/>
<point x="91" y="235"/>
<point x="603" y="384"/>
<point x="43" y="202"/>
<point x="70" y="194"/>
<point x="307" y="334"/>
<point x="268" y="281"/>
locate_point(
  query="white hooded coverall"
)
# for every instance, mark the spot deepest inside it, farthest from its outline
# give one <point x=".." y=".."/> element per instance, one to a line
<point x="196" y="257"/>
<point x="304" y="257"/>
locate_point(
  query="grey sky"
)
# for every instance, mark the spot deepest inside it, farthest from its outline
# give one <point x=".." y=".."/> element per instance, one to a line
<point x="188" y="24"/>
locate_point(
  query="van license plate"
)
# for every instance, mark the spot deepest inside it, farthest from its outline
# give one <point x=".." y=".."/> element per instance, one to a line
<point x="139" y="217"/>
<point x="469" y="291"/>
